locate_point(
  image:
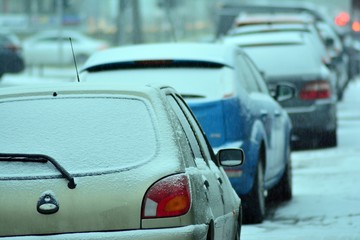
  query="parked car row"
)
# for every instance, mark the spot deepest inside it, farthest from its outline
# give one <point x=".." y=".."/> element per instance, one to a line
<point x="291" y="49"/>
<point x="188" y="139"/>
<point x="230" y="99"/>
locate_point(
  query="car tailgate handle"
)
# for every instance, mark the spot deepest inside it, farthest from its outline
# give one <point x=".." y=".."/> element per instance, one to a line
<point x="206" y="182"/>
<point x="219" y="179"/>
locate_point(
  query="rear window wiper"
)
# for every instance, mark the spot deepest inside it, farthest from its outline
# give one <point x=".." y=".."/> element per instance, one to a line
<point x="38" y="158"/>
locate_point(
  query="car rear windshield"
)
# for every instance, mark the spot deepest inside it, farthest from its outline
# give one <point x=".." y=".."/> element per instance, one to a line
<point x="198" y="83"/>
<point x="298" y="59"/>
<point x="84" y="134"/>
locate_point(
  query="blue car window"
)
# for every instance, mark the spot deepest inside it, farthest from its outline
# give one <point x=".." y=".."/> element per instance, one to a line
<point x="244" y="67"/>
<point x="257" y="76"/>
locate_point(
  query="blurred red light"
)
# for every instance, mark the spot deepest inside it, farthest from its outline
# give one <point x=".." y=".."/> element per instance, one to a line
<point x="342" y="19"/>
<point x="355" y="26"/>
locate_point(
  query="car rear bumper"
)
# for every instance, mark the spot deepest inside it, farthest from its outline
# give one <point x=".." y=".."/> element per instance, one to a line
<point x="318" y="117"/>
<point x="192" y="232"/>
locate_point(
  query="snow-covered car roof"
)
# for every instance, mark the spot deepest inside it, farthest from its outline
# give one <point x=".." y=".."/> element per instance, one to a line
<point x="264" y="38"/>
<point x="141" y="89"/>
<point x="200" y="52"/>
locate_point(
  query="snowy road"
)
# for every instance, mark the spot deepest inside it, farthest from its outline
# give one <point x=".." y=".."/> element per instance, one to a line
<point x="326" y="203"/>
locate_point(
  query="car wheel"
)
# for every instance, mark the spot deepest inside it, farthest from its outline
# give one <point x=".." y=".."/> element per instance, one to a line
<point x="254" y="202"/>
<point x="283" y="190"/>
<point x="210" y="234"/>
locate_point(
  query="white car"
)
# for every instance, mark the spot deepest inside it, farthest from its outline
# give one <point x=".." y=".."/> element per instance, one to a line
<point x="109" y="161"/>
<point x="54" y="48"/>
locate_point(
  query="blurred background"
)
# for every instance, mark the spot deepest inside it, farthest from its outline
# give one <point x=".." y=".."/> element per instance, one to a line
<point x="38" y="31"/>
<point x="138" y="21"/>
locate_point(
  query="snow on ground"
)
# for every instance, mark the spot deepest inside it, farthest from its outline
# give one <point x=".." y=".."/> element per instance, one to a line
<point x="326" y="202"/>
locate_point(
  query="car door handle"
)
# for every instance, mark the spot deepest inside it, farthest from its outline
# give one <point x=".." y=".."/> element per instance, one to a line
<point x="206" y="184"/>
<point x="220" y="180"/>
<point x="277" y="113"/>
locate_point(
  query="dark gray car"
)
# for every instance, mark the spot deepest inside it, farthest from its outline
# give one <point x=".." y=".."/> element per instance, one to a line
<point x="291" y="58"/>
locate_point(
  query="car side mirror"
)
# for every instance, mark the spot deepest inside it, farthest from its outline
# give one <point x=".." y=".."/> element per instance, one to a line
<point x="283" y="92"/>
<point x="230" y="157"/>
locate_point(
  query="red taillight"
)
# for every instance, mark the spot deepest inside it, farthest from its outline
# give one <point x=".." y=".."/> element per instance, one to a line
<point x="315" y="90"/>
<point x="169" y="197"/>
<point x="342" y="19"/>
<point x="355" y="26"/>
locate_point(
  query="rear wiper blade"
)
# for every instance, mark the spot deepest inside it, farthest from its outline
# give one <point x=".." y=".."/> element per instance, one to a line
<point x="39" y="158"/>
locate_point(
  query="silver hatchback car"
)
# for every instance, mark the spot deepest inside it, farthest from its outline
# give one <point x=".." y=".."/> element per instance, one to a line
<point x="89" y="161"/>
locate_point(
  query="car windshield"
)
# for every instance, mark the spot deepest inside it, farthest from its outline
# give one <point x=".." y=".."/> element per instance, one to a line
<point x="34" y="125"/>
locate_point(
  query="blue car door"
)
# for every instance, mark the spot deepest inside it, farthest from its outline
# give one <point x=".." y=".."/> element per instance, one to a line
<point x="270" y="114"/>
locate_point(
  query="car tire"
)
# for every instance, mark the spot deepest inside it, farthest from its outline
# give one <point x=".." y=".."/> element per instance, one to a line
<point x="254" y="202"/>
<point x="283" y="190"/>
<point x="210" y="234"/>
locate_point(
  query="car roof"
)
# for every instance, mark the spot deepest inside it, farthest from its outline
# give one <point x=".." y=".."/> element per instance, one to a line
<point x="278" y="7"/>
<point x="253" y="19"/>
<point x="68" y="88"/>
<point x="273" y="27"/>
<point x="206" y="52"/>
<point x="266" y="38"/>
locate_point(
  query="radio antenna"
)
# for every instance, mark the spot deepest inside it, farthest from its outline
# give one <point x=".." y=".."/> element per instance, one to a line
<point x="76" y="68"/>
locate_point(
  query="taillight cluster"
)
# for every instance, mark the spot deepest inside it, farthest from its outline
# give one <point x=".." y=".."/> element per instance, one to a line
<point x="169" y="197"/>
<point x="315" y="90"/>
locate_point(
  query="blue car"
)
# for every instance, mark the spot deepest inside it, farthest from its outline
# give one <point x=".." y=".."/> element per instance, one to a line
<point x="229" y="98"/>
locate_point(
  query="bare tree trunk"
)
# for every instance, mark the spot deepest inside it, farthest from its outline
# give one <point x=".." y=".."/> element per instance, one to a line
<point x="137" y="27"/>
